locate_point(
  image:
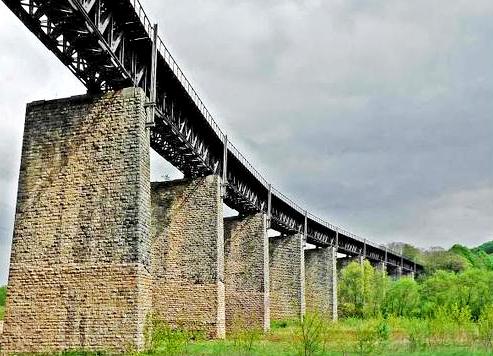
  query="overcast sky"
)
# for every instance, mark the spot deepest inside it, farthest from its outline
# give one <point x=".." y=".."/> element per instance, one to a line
<point x="374" y="114"/>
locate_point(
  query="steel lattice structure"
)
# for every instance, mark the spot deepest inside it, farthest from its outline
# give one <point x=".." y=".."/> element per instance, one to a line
<point x="111" y="44"/>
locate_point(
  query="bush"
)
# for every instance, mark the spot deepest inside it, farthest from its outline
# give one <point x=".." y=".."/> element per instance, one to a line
<point x="485" y="327"/>
<point x="3" y="296"/>
<point x="162" y="338"/>
<point x="311" y="334"/>
<point x="442" y="327"/>
<point x="418" y="331"/>
<point x="372" y="336"/>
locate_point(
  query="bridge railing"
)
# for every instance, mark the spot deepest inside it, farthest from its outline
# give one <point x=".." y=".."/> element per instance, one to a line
<point x="247" y="164"/>
<point x="173" y="65"/>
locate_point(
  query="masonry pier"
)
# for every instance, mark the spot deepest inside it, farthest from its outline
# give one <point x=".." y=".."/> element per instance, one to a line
<point x="287" y="277"/>
<point x="246" y="273"/>
<point x="321" y="281"/>
<point x="80" y="264"/>
<point x="188" y="254"/>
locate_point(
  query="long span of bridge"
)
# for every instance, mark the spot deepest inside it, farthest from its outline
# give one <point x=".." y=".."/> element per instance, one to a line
<point x="112" y="44"/>
<point x="99" y="251"/>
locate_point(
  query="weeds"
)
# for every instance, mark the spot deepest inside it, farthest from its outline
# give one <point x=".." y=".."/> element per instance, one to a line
<point x="311" y="334"/>
<point x="166" y="340"/>
<point x="485" y="328"/>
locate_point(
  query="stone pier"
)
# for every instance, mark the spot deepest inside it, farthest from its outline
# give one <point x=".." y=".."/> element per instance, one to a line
<point x="321" y="281"/>
<point x="79" y="271"/>
<point x="287" y="277"/>
<point x="188" y="255"/>
<point x="246" y="273"/>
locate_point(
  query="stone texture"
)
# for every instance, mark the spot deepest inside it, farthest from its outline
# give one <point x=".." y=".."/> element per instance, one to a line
<point x="80" y="255"/>
<point x="188" y="254"/>
<point x="287" y="277"/>
<point x="246" y="272"/>
<point x="321" y="281"/>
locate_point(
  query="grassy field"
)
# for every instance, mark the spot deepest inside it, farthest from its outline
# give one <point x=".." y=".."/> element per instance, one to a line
<point x="2" y="312"/>
<point x="317" y="338"/>
<point x="348" y="337"/>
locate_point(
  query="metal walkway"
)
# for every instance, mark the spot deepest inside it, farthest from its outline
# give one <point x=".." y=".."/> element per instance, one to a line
<point x="111" y="44"/>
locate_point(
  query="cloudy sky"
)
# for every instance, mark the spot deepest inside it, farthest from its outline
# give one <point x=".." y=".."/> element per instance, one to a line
<point x="375" y="114"/>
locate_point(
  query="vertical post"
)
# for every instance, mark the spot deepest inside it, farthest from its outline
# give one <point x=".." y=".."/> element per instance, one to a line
<point x="386" y="249"/>
<point x="269" y="207"/>
<point x="364" y="248"/>
<point x="305" y="232"/>
<point x="152" y="91"/>
<point x="225" y="166"/>
<point x="337" y="239"/>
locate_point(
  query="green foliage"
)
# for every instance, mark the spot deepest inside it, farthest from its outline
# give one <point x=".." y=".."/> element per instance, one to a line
<point x="3" y="295"/>
<point x="372" y="336"/>
<point x="165" y="340"/>
<point x="419" y="333"/>
<point x="485" y="327"/>
<point x="486" y="247"/>
<point x="402" y="298"/>
<point x="477" y="258"/>
<point x="246" y="339"/>
<point x="311" y="334"/>
<point x="439" y="259"/>
<point x="357" y="294"/>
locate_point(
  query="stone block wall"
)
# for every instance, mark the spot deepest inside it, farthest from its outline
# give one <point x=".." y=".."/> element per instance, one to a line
<point x="188" y="254"/>
<point x="287" y="277"/>
<point x="80" y="258"/>
<point x="321" y="281"/>
<point x="246" y="272"/>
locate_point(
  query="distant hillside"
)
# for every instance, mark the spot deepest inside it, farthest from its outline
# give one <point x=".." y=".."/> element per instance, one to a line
<point x="458" y="258"/>
<point x="486" y="247"/>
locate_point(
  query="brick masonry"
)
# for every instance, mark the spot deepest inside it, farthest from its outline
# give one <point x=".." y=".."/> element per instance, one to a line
<point x="287" y="277"/>
<point x="321" y="281"/>
<point x="246" y="272"/>
<point x="80" y="255"/>
<point x="188" y="254"/>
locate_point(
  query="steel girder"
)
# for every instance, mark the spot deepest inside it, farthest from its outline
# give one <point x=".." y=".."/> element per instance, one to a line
<point x="110" y="44"/>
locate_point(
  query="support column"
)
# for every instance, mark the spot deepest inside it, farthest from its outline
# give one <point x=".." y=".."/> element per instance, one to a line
<point x="188" y="254"/>
<point x="287" y="277"/>
<point x="382" y="267"/>
<point x="246" y="247"/>
<point x="80" y="255"/>
<point x="321" y="281"/>
<point x="361" y="259"/>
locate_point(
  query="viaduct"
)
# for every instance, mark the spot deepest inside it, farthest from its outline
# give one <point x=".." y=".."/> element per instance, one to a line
<point x="98" y="249"/>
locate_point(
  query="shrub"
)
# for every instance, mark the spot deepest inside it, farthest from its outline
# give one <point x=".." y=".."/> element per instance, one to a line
<point x="418" y="331"/>
<point x="372" y="336"/>
<point x="442" y="327"/>
<point x="166" y="340"/>
<point x="485" y="327"/>
<point x="311" y="332"/>
<point x="3" y="295"/>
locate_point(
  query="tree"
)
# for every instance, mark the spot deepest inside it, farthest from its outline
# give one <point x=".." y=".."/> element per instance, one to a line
<point x="403" y="298"/>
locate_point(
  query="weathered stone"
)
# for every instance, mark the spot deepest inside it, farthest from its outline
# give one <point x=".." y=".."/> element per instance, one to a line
<point x="246" y="272"/>
<point x="287" y="277"/>
<point x="188" y="254"/>
<point x="321" y="281"/>
<point x="80" y="258"/>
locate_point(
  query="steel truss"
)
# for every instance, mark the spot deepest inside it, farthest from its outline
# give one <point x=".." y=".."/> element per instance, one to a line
<point x="112" y="44"/>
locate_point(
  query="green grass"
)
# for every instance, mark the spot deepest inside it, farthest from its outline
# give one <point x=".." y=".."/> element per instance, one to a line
<point x="2" y="312"/>
<point x="347" y="337"/>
